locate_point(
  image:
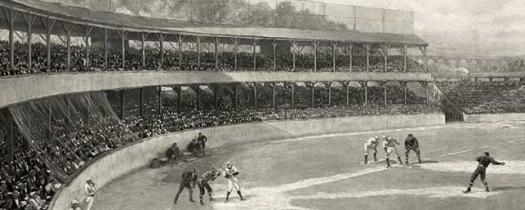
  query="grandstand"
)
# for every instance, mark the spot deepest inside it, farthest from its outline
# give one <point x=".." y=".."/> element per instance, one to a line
<point x="99" y="94"/>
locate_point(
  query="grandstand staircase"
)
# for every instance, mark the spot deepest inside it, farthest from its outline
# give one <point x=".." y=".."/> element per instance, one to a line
<point x="452" y="112"/>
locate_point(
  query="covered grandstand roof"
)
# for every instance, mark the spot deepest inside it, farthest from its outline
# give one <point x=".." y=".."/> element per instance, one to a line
<point x="136" y="23"/>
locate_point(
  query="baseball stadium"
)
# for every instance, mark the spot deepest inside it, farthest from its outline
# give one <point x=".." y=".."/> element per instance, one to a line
<point x="250" y="104"/>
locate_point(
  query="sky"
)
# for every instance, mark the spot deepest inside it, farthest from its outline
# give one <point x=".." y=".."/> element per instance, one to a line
<point x="463" y="27"/>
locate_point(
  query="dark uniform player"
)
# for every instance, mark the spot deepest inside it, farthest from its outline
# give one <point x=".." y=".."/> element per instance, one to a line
<point x="484" y="162"/>
<point x="411" y="143"/>
<point x="202" y="139"/>
<point x="189" y="178"/>
<point x="204" y="185"/>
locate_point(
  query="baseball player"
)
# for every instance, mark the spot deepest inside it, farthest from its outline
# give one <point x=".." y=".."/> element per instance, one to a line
<point x="371" y="145"/>
<point x="411" y="143"/>
<point x="203" y="183"/>
<point x="483" y="163"/>
<point x="89" y="191"/>
<point x="231" y="173"/>
<point x="390" y="147"/>
<point x="188" y="181"/>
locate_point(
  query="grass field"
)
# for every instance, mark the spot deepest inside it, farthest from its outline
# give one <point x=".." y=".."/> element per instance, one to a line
<point x="326" y="172"/>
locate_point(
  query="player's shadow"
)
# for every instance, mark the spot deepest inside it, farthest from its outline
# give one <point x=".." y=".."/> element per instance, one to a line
<point x="507" y="188"/>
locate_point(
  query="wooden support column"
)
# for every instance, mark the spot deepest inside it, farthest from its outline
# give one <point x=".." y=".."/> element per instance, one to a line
<point x="367" y="48"/>
<point x="518" y="99"/>
<point x="68" y="28"/>
<point x="274" y="105"/>
<point x="313" y="95"/>
<point x="235" y="52"/>
<point x="10" y="16"/>
<point x="385" y="86"/>
<point x="255" y="96"/>
<point x="235" y="95"/>
<point x="48" y="26"/>
<point x="159" y="98"/>
<point x="143" y="37"/>
<point x="329" y="84"/>
<point x="274" y="44"/>
<point x="385" y="56"/>
<point x="405" y="92"/>
<point x="161" y="37"/>
<point x="294" y="51"/>
<point x="425" y="57"/>
<point x="199" y="52"/>
<point x="405" y="52"/>
<point x="123" y="35"/>
<point x="87" y="35"/>
<point x="141" y="101"/>
<point x="106" y="37"/>
<point x="315" y="44"/>
<point x="216" y="52"/>
<point x="122" y="104"/>
<point x="293" y="94"/>
<point x="180" y="41"/>
<point x="334" y="55"/>
<point x="254" y="53"/>
<point x="178" y="89"/>
<point x="29" y="20"/>
<point x="350" y="55"/>
<point x="365" y="86"/>
<point x="427" y="96"/>
<point x="346" y="84"/>
<point x="198" y="98"/>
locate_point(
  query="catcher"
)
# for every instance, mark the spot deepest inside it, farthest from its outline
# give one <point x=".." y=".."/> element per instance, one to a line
<point x="411" y="143"/>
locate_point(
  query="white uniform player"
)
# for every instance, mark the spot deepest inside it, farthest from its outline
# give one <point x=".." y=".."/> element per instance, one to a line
<point x="89" y="192"/>
<point x="371" y="145"/>
<point x="390" y="146"/>
<point x="231" y="173"/>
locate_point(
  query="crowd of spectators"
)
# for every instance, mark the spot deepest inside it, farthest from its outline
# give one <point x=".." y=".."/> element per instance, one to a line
<point x="191" y="61"/>
<point x="483" y="97"/>
<point x="25" y="181"/>
<point x="40" y="166"/>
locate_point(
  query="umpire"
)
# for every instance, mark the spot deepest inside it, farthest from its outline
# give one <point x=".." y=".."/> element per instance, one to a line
<point x="411" y="143"/>
<point x="189" y="179"/>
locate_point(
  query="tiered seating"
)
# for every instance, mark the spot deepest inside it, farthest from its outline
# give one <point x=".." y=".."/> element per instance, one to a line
<point x="485" y="97"/>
